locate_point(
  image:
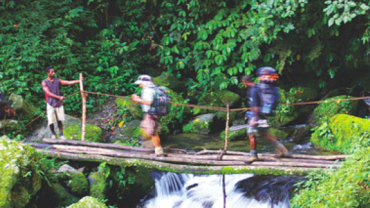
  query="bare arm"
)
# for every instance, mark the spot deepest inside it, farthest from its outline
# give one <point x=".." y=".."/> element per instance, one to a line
<point x="47" y="91"/>
<point x="136" y="98"/>
<point x="69" y="82"/>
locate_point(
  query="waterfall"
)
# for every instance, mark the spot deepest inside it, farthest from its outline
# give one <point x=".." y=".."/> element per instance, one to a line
<point x="207" y="191"/>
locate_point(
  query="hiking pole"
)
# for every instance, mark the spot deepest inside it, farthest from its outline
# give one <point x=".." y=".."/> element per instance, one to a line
<point x="83" y="127"/>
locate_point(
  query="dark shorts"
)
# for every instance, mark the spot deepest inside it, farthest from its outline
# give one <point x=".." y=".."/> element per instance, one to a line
<point x="149" y="125"/>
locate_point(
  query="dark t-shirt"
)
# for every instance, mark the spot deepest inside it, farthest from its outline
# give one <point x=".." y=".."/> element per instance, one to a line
<point x="54" y="88"/>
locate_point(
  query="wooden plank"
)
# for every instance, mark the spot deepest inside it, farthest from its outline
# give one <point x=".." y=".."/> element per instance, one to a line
<point x="98" y="144"/>
<point x="177" y="159"/>
<point x="174" y="167"/>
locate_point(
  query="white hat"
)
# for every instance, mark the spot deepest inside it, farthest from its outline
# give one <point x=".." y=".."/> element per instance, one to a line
<point x="144" y="79"/>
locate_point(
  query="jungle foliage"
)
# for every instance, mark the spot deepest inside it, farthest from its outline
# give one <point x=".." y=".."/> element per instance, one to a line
<point x="110" y="42"/>
<point x="206" y="44"/>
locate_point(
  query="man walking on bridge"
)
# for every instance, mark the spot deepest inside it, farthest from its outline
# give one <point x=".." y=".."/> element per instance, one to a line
<point x="54" y="101"/>
<point x="262" y="99"/>
<point x="149" y="124"/>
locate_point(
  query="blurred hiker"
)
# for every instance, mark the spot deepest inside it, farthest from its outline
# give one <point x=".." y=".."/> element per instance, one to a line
<point x="154" y="104"/>
<point x="54" y="101"/>
<point x="262" y="99"/>
<point x="6" y="111"/>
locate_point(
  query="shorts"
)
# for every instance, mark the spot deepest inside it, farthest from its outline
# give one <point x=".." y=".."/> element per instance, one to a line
<point x="262" y="126"/>
<point x="54" y="114"/>
<point x="149" y="125"/>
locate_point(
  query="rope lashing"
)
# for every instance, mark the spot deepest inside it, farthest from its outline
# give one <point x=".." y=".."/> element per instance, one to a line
<point x="203" y="106"/>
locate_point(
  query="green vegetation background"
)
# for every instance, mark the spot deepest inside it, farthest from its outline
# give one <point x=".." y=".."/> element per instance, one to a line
<point x="207" y="45"/>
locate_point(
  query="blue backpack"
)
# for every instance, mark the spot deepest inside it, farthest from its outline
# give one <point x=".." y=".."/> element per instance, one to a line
<point x="161" y="102"/>
<point x="268" y="92"/>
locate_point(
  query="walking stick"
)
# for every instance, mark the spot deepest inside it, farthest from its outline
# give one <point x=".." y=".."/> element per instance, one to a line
<point x="83" y="130"/>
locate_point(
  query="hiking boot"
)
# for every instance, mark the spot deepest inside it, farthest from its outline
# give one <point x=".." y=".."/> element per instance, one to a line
<point x="281" y="150"/>
<point x="159" y="152"/>
<point x="53" y="136"/>
<point x="251" y="159"/>
<point x="62" y="137"/>
<point x="161" y="155"/>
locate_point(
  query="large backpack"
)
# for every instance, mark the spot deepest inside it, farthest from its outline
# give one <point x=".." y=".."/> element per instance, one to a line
<point x="268" y="92"/>
<point x="2" y="97"/>
<point x="161" y="102"/>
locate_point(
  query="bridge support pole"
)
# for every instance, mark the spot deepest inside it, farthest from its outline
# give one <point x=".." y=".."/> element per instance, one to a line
<point x="83" y="130"/>
<point x="227" y="127"/>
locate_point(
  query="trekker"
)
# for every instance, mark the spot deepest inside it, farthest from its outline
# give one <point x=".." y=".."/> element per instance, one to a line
<point x="54" y="101"/>
<point x="257" y="121"/>
<point x="149" y="124"/>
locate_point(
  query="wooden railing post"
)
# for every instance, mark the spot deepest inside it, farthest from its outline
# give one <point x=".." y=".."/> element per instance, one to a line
<point x="227" y="127"/>
<point x="83" y="127"/>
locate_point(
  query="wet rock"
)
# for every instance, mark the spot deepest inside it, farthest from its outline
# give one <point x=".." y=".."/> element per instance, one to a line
<point x="71" y="130"/>
<point x="205" y="124"/>
<point x="9" y="124"/>
<point x="348" y="134"/>
<point x="22" y="107"/>
<point x="20" y="166"/>
<point x="169" y="81"/>
<point x="88" y="201"/>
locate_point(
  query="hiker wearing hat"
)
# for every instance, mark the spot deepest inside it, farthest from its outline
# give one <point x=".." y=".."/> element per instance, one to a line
<point x="149" y="124"/>
<point x="54" y="101"/>
<point x="257" y="116"/>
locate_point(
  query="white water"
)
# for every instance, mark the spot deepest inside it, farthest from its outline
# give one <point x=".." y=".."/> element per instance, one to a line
<point x="192" y="191"/>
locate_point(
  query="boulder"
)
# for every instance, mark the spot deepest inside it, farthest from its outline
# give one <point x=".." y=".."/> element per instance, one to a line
<point x="343" y="133"/>
<point x="20" y="168"/>
<point x="128" y="105"/>
<point x="75" y="181"/>
<point x="54" y="195"/>
<point x="130" y="184"/>
<point x="88" y="201"/>
<point x="240" y="134"/>
<point x="9" y="124"/>
<point x="67" y="168"/>
<point x="168" y="81"/>
<point x="71" y="130"/>
<point x="205" y="124"/>
<point x="98" y="182"/>
<point x="22" y="107"/>
<point x="325" y="110"/>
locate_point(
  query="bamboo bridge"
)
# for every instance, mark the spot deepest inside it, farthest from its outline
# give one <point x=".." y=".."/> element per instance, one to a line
<point x="181" y="160"/>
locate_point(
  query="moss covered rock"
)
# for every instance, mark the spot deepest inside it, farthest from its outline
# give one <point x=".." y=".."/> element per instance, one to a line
<point x="89" y="202"/>
<point x="278" y="133"/>
<point x="98" y="181"/>
<point x="55" y="195"/>
<point x="98" y="185"/>
<point x="168" y="81"/>
<point x="344" y="133"/>
<point x="205" y="124"/>
<point x="235" y="135"/>
<point x="130" y="184"/>
<point x="93" y="133"/>
<point x="21" y="167"/>
<point x="348" y="186"/>
<point x="128" y="105"/>
<point x="22" y="107"/>
<point x="78" y="184"/>
<point x="9" y="124"/>
<point x="331" y="106"/>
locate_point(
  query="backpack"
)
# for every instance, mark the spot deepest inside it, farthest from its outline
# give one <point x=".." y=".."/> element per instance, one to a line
<point x="2" y="97"/>
<point x="161" y="102"/>
<point x="268" y="92"/>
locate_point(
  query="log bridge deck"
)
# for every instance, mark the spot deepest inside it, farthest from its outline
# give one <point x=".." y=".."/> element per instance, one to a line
<point x="181" y="160"/>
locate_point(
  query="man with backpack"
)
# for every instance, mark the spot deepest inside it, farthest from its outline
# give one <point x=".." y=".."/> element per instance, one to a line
<point x="263" y="99"/>
<point x="150" y="104"/>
